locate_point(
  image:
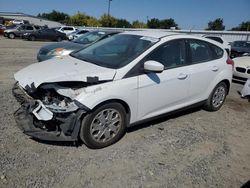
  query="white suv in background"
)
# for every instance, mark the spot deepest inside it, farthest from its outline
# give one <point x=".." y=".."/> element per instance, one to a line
<point x="95" y="93"/>
<point x="67" y="29"/>
<point x="221" y="40"/>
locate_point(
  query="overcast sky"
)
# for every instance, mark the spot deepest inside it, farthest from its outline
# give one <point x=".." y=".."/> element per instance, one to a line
<point x="189" y="14"/>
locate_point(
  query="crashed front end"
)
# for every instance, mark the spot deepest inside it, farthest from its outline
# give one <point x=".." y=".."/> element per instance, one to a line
<point x="49" y="112"/>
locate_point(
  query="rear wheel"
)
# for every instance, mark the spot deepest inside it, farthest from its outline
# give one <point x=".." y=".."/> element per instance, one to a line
<point x="104" y="126"/>
<point x="217" y="97"/>
<point x="32" y="38"/>
<point x="11" y="35"/>
<point x="59" y="39"/>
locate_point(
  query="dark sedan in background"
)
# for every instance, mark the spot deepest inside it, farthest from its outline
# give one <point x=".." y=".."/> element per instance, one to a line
<point x="65" y="48"/>
<point x="46" y="34"/>
<point x="239" y="48"/>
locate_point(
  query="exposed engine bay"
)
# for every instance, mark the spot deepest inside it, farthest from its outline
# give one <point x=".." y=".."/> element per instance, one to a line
<point x="50" y="111"/>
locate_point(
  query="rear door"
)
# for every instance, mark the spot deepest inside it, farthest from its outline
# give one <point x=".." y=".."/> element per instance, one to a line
<point x="49" y="34"/>
<point x="204" y="60"/>
<point x="159" y="93"/>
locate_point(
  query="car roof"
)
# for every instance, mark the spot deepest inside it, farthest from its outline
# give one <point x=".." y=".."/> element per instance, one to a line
<point x="153" y="34"/>
<point x="241" y="41"/>
<point x="107" y="32"/>
<point x="214" y="36"/>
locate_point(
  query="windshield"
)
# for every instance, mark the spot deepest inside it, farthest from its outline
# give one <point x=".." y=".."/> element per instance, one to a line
<point x="90" y="37"/>
<point x="116" y="51"/>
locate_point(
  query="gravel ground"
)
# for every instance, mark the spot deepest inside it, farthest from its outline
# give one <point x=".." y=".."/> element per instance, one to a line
<point x="190" y="149"/>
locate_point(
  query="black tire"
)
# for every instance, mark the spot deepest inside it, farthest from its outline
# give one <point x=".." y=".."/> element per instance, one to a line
<point x="59" y="39"/>
<point x="217" y="97"/>
<point x="11" y="35"/>
<point x="32" y="38"/>
<point x="89" y="135"/>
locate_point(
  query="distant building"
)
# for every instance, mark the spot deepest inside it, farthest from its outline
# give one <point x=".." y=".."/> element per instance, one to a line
<point x="9" y="16"/>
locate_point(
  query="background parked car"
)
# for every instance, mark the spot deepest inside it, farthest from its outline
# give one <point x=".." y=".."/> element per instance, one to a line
<point x="241" y="68"/>
<point x="65" y="48"/>
<point x="221" y="40"/>
<point x="18" y="22"/>
<point x="2" y="28"/>
<point x="45" y="34"/>
<point x="76" y="34"/>
<point x="19" y="30"/>
<point x="239" y="48"/>
<point x="67" y="29"/>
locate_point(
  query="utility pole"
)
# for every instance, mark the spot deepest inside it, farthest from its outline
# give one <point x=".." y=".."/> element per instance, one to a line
<point x="109" y="24"/>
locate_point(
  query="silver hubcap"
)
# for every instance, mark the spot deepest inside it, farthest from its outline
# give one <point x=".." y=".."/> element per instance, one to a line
<point x="105" y="125"/>
<point x="219" y="96"/>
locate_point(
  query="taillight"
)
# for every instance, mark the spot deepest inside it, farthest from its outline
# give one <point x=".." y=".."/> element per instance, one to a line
<point x="230" y="61"/>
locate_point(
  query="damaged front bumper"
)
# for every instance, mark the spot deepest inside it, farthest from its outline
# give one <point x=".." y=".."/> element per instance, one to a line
<point x="39" y="122"/>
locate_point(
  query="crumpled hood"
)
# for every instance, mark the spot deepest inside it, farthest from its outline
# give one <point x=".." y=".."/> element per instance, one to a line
<point x="62" y="69"/>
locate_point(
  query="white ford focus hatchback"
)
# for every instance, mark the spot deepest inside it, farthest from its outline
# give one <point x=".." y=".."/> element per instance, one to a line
<point x="95" y="93"/>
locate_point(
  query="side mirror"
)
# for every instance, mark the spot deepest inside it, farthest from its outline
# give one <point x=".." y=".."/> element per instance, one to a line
<point x="153" y="66"/>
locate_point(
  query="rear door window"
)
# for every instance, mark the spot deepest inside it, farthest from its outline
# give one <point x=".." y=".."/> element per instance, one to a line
<point x="199" y="51"/>
<point x="29" y="28"/>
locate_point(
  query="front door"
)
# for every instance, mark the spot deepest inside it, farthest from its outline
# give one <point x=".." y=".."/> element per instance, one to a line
<point x="159" y="93"/>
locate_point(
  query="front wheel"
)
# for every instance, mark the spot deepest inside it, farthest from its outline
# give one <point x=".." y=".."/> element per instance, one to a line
<point x="104" y="126"/>
<point x="11" y="36"/>
<point x="217" y="97"/>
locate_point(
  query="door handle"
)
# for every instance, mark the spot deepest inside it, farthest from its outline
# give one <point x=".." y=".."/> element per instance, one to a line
<point x="215" y="68"/>
<point x="182" y="76"/>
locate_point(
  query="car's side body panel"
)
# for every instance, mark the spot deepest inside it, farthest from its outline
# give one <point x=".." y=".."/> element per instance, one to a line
<point x="161" y="92"/>
<point x="125" y="90"/>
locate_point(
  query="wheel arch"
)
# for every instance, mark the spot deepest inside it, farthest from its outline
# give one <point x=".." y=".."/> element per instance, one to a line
<point x="12" y="33"/>
<point x="228" y="84"/>
<point x="122" y="102"/>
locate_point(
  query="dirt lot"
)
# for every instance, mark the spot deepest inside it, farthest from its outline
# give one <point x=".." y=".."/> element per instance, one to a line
<point x="191" y="149"/>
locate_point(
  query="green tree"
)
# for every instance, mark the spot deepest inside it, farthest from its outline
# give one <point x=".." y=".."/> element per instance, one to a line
<point x="108" y="21"/>
<point x="216" y="25"/>
<point x="138" y="24"/>
<point x="154" y="23"/>
<point x="93" y="22"/>
<point x="122" y="23"/>
<point x="244" y="26"/>
<point x="79" y="19"/>
<point x="168" y="23"/>
<point x="54" y="16"/>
